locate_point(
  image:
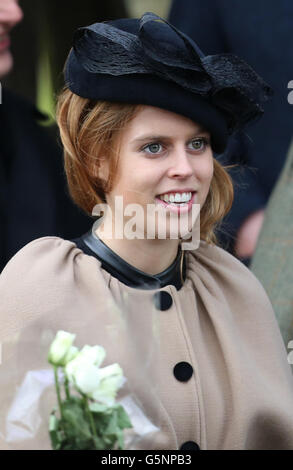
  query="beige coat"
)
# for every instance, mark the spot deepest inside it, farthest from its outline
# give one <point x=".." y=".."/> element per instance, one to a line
<point x="240" y="394"/>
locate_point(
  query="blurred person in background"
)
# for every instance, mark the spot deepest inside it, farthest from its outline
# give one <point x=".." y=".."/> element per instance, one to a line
<point x="30" y="164"/>
<point x="47" y="32"/>
<point x="272" y="262"/>
<point x="11" y="14"/>
<point x="260" y="32"/>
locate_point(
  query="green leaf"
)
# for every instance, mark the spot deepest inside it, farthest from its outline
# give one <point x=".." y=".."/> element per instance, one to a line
<point x="112" y="424"/>
<point x="102" y="420"/>
<point x="99" y="408"/>
<point x="123" y="419"/>
<point x="53" y="431"/>
<point x="76" y="425"/>
<point x="53" y="423"/>
<point x="56" y="435"/>
<point x="74" y="431"/>
<point x="99" y="443"/>
<point x="120" y="437"/>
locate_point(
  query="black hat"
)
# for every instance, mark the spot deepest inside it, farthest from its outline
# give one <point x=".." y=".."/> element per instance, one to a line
<point x="148" y="61"/>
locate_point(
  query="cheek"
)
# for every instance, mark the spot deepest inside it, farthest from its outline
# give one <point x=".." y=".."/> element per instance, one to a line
<point x="142" y="183"/>
<point x="134" y="188"/>
<point x="205" y="175"/>
<point x="205" y="170"/>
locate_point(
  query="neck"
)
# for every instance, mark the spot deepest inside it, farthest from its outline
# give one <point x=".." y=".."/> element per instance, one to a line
<point x="150" y="256"/>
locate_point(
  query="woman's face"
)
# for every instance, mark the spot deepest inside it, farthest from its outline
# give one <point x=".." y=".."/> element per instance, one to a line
<point x="162" y="152"/>
<point x="10" y="15"/>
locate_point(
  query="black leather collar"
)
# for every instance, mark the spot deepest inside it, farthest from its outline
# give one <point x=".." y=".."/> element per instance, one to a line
<point x="126" y="273"/>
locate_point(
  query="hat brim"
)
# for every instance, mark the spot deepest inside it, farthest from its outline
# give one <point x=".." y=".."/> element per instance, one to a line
<point x="151" y="91"/>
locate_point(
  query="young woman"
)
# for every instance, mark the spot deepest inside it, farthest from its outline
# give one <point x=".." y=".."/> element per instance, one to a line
<point x="141" y="115"/>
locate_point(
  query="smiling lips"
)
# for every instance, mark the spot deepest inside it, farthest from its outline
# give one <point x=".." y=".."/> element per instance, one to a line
<point x="177" y="197"/>
<point x="176" y="202"/>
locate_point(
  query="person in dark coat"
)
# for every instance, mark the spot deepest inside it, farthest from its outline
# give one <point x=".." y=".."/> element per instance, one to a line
<point x="33" y="198"/>
<point x="30" y="165"/>
<point x="261" y="33"/>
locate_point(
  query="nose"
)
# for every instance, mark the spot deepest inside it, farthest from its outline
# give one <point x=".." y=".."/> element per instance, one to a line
<point x="10" y="12"/>
<point x="181" y="166"/>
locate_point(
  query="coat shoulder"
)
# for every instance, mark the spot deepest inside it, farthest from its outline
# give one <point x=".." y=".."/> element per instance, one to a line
<point x="41" y="258"/>
<point x="227" y="276"/>
<point x="39" y="279"/>
<point x="233" y="295"/>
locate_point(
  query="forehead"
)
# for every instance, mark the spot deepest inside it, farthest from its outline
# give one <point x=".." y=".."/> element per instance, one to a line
<point x="159" y="121"/>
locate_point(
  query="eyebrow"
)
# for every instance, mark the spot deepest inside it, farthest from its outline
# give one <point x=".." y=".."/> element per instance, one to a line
<point x="165" y="137"/>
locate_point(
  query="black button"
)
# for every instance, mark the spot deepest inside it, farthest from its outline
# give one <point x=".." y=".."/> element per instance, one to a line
<point x="190" y="445"/>
<point x="183" y="371"/>
<point x="162" y="300"/>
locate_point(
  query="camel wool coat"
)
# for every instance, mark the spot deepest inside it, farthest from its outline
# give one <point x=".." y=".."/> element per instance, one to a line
<point x="207" y="367"/>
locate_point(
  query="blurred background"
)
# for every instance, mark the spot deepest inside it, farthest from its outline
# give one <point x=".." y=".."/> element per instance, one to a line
<point x="41" y="42"/>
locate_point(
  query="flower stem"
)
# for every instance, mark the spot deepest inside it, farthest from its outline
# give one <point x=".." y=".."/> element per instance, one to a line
<point x="66" y="385"/>
<point x="91" y="419"/>
<point x="58" y="391"/>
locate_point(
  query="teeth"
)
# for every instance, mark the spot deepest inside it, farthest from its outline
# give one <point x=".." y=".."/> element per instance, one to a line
<point x="176" y="198"/>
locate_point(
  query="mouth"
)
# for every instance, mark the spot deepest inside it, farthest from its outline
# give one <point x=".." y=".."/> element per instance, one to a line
<point x="180" y="206"/>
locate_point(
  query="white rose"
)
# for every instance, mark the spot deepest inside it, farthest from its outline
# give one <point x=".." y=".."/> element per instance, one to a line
<point x="84" y="373"/>
<point x="86" y="378"/>
<point x="83" y="369"/>
<point x="60" y="349"/>
<point x="72" y="353"/>
<point x="93" y="354"/>
<point x="111" y="379"/>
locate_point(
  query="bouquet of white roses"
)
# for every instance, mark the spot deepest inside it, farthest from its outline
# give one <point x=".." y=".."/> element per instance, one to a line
<point x="89" y="416"/>
<point x="94" y="405"/>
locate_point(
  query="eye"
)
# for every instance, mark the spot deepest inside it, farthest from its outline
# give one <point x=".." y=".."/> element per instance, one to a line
<point x="198" y="144"/>
<point x="153" y="148"/>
